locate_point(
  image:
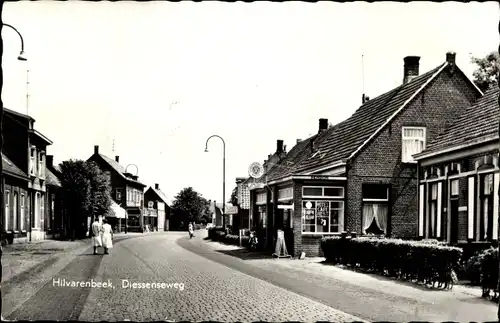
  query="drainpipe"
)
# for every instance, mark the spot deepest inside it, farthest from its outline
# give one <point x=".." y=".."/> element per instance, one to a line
<point x="32" y="208"/>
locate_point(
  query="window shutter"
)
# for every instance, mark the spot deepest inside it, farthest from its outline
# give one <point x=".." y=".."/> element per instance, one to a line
<point x="421" y="211"/>
<point x="439" y="208"/>
<point x="496" y="181"/>
<point x="470" y="208"/>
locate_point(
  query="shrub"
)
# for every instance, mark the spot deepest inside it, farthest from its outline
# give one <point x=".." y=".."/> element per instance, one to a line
<point x="488" y="260"/>
<point x="473" y="268"/>
<point x="212" y="232"/>
<point x="424" y="261"/>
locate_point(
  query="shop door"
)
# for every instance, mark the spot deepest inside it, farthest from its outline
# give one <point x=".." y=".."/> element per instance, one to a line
<point x="287" y="228"/>
<point x="454" y="220"/>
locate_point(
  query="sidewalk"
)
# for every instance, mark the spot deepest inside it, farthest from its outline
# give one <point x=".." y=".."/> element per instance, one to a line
<point x="316" y="270"/>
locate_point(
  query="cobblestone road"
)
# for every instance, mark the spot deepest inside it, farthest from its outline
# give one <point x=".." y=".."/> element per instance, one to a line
<point x="211" y="291"/>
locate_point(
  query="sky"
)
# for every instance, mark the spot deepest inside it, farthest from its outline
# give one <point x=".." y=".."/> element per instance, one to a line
<point x="159" y="78"/>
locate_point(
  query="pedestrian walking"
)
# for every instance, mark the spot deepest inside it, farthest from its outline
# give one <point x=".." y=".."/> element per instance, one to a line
<point x="95" y="232"/>
<point x="107" y="236"/>
<point x="191" y="230"/>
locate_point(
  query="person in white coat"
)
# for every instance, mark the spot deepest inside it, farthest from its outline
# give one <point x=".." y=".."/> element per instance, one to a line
<point x="95" y="231"/>
<point x="107" y="236"/>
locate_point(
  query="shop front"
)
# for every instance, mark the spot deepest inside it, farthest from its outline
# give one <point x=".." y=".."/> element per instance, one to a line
<point x="284" y="216"/>
<point x="321" y="208"/>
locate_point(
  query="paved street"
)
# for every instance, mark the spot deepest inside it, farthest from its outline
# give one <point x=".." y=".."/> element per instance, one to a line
<point x="206" y="290"/>
<point x="214" y="282"/>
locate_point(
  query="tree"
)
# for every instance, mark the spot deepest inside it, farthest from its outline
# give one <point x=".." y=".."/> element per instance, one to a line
<point x="189" y="206"/>
<point x="486" y="74"/>
<point x="86" y="193"/>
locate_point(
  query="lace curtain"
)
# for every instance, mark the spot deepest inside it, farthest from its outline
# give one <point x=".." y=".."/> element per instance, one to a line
<point x="375" y="212"/>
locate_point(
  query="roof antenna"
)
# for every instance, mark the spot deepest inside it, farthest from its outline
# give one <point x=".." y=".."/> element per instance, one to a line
<point x="27" y="92"/>
<point x="113" y="145"/>
<point x="364" y="98"/>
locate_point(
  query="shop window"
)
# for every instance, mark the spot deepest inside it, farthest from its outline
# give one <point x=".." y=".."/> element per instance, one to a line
<point x="323" y="191"/>
<point x="322" y="216"/>
<point x="375" y="208"/>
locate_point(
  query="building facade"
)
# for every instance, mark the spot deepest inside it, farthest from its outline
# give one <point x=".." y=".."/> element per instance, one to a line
<point x="158" y="209"/>
<point x="359" y="175"/>
<point x="25" y="148"/>
<point x="459" y="178"/>
<point x="126" y="191"/>
<point x="54" y="213"/>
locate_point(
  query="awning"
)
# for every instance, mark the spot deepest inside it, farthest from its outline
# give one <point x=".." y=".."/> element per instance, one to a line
<point x="117" y="211"/>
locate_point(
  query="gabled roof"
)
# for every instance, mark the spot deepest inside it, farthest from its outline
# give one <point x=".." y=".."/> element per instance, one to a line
<point x="119" y="169"/>
<point x="289" y="163"/>
<point x="51" y="178"/>
<point x="477" y="123"/>
<point x="11" y="169"/>
<point x="344" y="139"/>
<point x="159" y="194"/>
<point x="25" y="116"/>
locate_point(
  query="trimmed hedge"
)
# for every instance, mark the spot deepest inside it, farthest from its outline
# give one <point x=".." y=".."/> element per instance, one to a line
<point x="422" y="261"/>
<point x="482" y="269"/>
<point x="217" y="234"/>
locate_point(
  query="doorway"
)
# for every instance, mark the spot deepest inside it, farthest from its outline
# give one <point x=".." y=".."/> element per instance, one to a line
<point x="454" y="220"/>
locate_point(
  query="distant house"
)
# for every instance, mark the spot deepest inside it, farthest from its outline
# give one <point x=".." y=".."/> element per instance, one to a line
<point x="459" y="178"/>
<point x="158" y="210"/>
<point x="359" y="175"/>
<point x="126" y="191"/>
<point x="25" y="178"/>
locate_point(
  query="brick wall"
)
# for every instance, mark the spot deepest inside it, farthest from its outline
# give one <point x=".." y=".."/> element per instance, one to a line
<point x="297" y="219"/>
<point x="435" y="108"/>
<point x="311" y="245"/>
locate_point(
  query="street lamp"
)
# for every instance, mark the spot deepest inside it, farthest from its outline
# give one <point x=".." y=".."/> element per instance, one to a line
<point x="21" y="57"/>
<point x="223" y="177"/>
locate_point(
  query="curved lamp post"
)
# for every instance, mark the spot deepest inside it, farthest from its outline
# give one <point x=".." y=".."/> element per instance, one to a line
<point x="223" y="177"/>
<point x="126" y="213"/>
<point x="21" y="57"/>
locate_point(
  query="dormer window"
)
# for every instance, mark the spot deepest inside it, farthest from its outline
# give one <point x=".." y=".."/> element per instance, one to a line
<point x="413" y="142"/>
<point x="33" y="161"/>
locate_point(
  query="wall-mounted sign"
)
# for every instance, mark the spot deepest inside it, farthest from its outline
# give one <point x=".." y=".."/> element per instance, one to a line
<point x="256" y="170"/>
<point x="309" y="205"/>
<point x="285" y="207"/>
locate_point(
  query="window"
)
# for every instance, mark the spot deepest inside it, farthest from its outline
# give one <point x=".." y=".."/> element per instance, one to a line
<point x="454" y="187"/>
<point x="322" y="216"/>
<point x="261" y="198"/>
<point x="118" y="195"/>
<point x="433" y="210"/>
<point x="15" y="203"/>
<point x="33" y="161"/>
<point x="285" y="194"/>
<point x="41" y="164"/>
<point x="42" y="211"/>
<point x="413" y="142"/>
<point x="22" y="214"/>
<point x="323" y="191"/>
<point x="486" y="196"/>
<point x="8" y="225"/>
<point x="375" y="208"/>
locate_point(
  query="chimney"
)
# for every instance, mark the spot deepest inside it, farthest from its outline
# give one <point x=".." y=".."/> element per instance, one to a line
<point x="323" y="125"/>
<point x="365" y="98"/>
<point x="299" y="140"/>
<point x="117" y="158"/>
<point x="410" y="68"/>
<point x="157" y="186"/>
<point x="450" y="58"/>
<point x="279" y="146"/>
<point x="49" y="159"/>
<point x="96" y="149"/>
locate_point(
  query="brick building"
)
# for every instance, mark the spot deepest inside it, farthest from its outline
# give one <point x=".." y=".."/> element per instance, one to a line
<point x="359" y="175"/>
<point x="24" y="178"/>
<point x="126" y="191"/>
<point x="55" y="215"/>
<point x="459" y="178"/>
